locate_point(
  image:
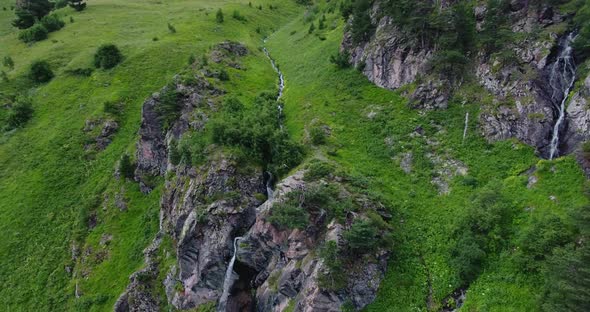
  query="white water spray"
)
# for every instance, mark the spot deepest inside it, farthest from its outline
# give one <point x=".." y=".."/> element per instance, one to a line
<point x="230" y="278"/>
<point x="563" y="76"/>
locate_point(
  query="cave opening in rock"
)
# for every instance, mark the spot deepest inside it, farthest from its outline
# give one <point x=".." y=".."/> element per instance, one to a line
<point x="242" y="293"/>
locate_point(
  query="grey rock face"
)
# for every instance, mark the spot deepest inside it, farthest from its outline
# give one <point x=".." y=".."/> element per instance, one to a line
<point x="386" y="59"/>
<point x="288" y="270"/>
<point x="205" y="231"/>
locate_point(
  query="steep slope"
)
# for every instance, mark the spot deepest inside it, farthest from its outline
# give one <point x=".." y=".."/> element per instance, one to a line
<point x="70" y="228"/>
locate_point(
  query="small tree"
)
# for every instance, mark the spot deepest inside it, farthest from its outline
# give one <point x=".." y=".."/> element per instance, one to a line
<point x="107" y="56"/>
<point x="311" y="28"/>
<point x="219" y="16"/>
<point x="340" y="59"/>
<point x="3" y="76"/>
<point x="78" y="5"/>
<point x="126" y="167"/>
<point x="40" y="72"/>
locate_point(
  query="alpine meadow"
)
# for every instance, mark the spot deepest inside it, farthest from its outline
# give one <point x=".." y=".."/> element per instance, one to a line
<point x="295" y="155"/>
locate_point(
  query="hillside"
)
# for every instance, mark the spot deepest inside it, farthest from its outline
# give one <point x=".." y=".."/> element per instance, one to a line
<point x="257" y="162"/>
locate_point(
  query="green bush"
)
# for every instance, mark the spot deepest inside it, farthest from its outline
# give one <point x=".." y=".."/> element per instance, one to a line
<point x="78" y="5"/>
<point x="58" y="4"/>
<point x="113" y="108"/>
<point x="126" y="168"/>
<point x="362" y="237"/>
<point x="168" y="108"/>
<point x="52" y="23"/>
<point x="483" y="231"/>
<point x="8" y="62"/>
<point x="317" y="135"/>
<point x="219" y="16"/>
<point x="171" y="28"/>
<point x="36" y="33"/>
<point x="40" y="71"/>
<point x="317" y="170"/>
<point x="288" y="215"/>
<point x="20" y="112"/>
<point x="340" y="59"/>
<point x="237" y="16"/>
<point x="257" y="131"/>
<point x="107" y="56"/>
<point x="334" y="278"/>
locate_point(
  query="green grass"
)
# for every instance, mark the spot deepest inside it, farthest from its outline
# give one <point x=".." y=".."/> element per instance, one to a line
<point x="424" y="220"/>
<point x="48" y="185"/>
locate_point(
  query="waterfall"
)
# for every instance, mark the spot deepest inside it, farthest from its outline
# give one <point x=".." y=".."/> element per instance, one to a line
<point x="229" y="278"/>
<point x="278" y="71"/>
<point x="562" y="78"/>
<point x="466" y="124"/>
<point x="269" y="190"/>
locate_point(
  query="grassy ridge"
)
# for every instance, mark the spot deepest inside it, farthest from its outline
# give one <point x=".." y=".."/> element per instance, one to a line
<point x="48" y="184"/>
<point x="420" y="270"/>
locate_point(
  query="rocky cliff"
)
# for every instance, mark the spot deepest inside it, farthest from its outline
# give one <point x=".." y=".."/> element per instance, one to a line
<point x="522" y="85"/>
<point x="222" y="208"/>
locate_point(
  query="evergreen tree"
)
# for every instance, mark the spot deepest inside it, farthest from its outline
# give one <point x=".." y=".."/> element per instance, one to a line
<point x="78" y="5"/>
<point x="311" y="28"/>
<point x="29" y="11"/>
<point x="126" y="167"/>
<point x="219" y="16"/>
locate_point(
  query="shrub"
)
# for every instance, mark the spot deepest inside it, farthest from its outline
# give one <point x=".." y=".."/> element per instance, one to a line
<point x="317" y="170"/>
<point x="84" y="72"/>
<point x="361" y="237"/>
<point x="78" y="5"/>
<point x="58" y="4"/>
<point x="219" y="16"/>
<point x="311" y="28"/>
<point x="20" y="112"/>
<point x="257" y="131"/>
<point x="8" y="62"/>
<point x="113" y="108"/>
<point x="223" y="75"/>
<point x="107" y="56"/>
<point x="317" y="135"/>
<point x="36" y="33"/>
<point x="52" y="23"/>
<point x="126" y="168"/>
<point x="340" y="59"/>
<point x="334" y="278"/>
<point x="169" y="107"/>
<point x="237" y="16"/>
<point x="288" y="215"/>
<point x="173" y="153"/>
<point x="191" y="59"/>
<point x="40" y="72"/>
<point x="171" y="28"/>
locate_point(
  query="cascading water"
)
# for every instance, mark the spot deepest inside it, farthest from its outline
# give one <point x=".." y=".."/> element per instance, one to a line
<point x="230" y="275"/>
<point x="561" y="80"/>
<point x="230" y="278"/>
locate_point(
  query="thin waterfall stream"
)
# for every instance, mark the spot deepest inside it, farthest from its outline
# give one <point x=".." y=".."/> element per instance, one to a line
<point x="230" y="278"/>
<point x="230" y="275"/>
<point x="562" y="78"/>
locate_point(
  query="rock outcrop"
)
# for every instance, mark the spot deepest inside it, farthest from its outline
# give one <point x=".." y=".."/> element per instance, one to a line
<point x="523" y="105"/>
